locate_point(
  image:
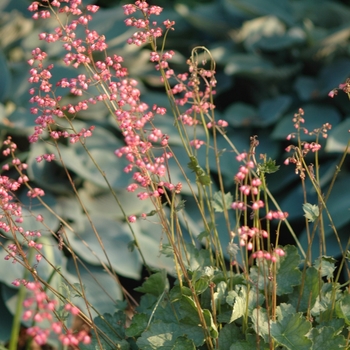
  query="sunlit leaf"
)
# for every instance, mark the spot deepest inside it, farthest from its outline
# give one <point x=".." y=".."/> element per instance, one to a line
<point x="292" y="331"/>
<point x="311" y="211"/>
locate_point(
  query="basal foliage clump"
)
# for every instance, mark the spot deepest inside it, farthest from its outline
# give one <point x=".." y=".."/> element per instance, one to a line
<point x="225" y="283"/>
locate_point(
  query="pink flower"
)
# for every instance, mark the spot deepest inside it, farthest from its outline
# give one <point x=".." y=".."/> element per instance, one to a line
<point x="132" y="218"/>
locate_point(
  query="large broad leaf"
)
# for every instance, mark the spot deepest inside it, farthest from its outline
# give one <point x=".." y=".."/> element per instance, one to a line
<point x="51" y="265"/>
<point x="305" y="295"/>
<point x="307" y="88"/>
<point x="115" y="238"/>
<point x="101" y="289"/>
<point x="5" y="78"/>
<point x="269" y="34"/>
<point x="193" y="225"/>
<point x="101" y="146"/>
<point x="156" y="284"/>
<point x="111" y="332"/>
<point x="160" y="335"/>
<point x="291" y="332"/>
<point x="6" y="319"/>
<point x="237" y="299"/>
<point x="241" y="114"/>
<point x="229" y="335"/>
<point x="288" y="273"/>
<point x="150" y="236"/>
<point x="31" y="208"/>
<point x="17" y="122"/>
<point x="339" y="137"/>
<point x="207" y="18"/>
<point x="13" y="270"/>
<point x="343" y="308"/>
<point x="329" y="14"/>
<point x="103" y="203"/>
<point x="271" y="110"/>
<point x="255" y="8"/>
<point x="247" y="64"/>
<point x="261" y="323"/>
<point x="326" y="335"/>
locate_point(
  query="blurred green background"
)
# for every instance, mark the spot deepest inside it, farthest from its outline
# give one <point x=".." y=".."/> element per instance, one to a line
<point x="272" y="57"/>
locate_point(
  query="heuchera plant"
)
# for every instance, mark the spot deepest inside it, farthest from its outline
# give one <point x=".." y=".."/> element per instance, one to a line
<point x="251" y="294"/>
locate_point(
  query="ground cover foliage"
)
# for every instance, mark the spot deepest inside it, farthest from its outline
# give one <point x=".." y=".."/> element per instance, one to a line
<point x="270" y="60"/>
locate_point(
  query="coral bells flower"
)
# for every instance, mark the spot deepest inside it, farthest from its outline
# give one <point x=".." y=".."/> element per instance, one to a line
<point x="344" y="87"/>
<point x="132" y="218"/>
<point x="39" y="308"/>
<point x="276" y="215"/>
<point x="149" y="30"/>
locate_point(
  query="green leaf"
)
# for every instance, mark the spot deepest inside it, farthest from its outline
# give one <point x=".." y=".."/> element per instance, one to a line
<point x="220" y="293"/>
<point x="261" y="323"/>
<point x="183" y="343"/>
<point x="311" y="211"/>
<point x="203" y="234"/>
<point x="304" y="297"/>
<point x="241" y="114"/>
<point x="131" y="246"/>
<point x="111" y="332"/>
<point x="113" y="234"/>
<point x="326" y="338"/>
<point x="201" y="285"/>
<point x="326" y="266"/>
<point x="155" y="284"/>
<point x="188" y="311"/>
<point x="177" y="292"/>
<point x="269" y="167"/>
<point x="210" y="323"/>
<point x="338" y="137"/>
<point x="221" y="202"/>
<point x="270" y="110"/>
<point x="258" y="8"/>
<point x="201" y="175"/>
<point x="249" y="344"/>
<point x="248" y="65"/>
<point x="138" y="325"/>
<point x="288" y="273"/>
<point x="343" y="308"/>
<point x="324" y="303"/>
<point x="229" y="335"/>
<point x="161" y="335"/>
<point x="238" y="300"/>
<point x="284" y="309"/>
<point x="291" y="332"/>
<point x="5" y="78"/>
<point x="197" y="258"/>
<point x="208" y="18"/>
<point x="180" y="206"/>
<point x="306" y="87"/>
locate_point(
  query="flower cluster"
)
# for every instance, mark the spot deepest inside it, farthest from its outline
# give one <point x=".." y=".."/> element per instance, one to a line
<point x="273" y="257"/>
<point x="39" y="308"/>
<point x="248" y="197"/>
<point x="304" y="147"/>
<point x="149" y="31"/>
<point x="345" y="87"/>
<point x="119" y="92"/>
<point x="11" y="215"/>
